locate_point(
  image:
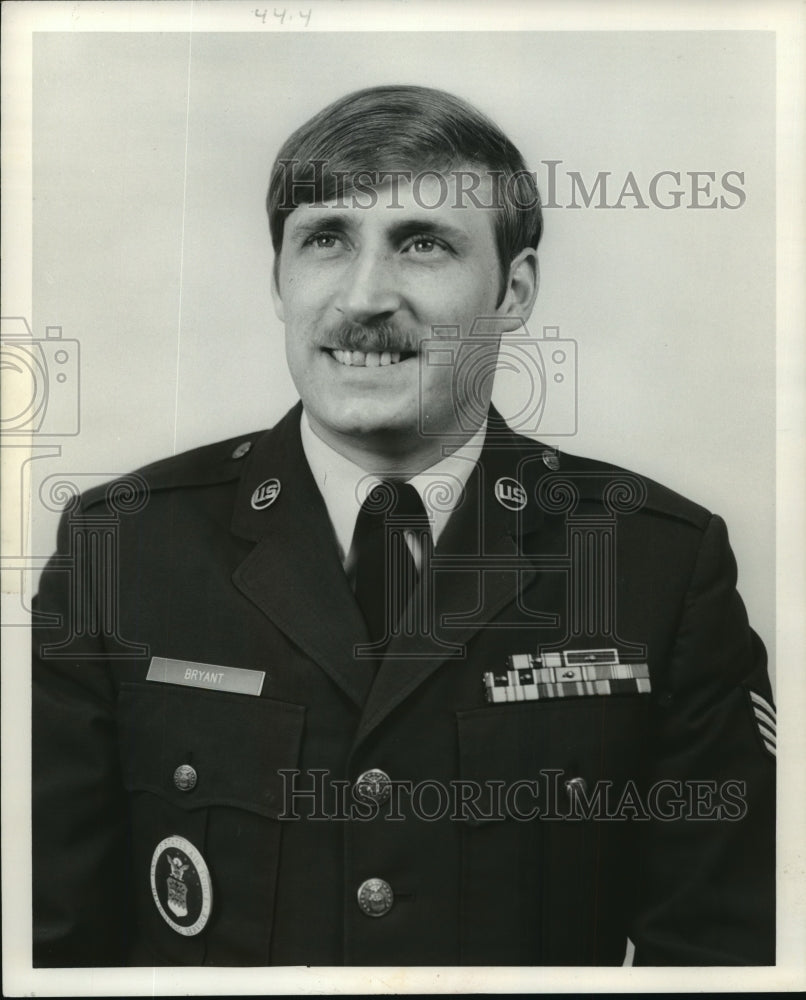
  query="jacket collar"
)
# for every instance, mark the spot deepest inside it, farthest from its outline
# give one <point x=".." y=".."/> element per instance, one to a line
<point x="506" y="460"/>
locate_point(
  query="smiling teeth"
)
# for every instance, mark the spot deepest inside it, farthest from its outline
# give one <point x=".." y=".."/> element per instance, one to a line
<point x="368" y="359"/>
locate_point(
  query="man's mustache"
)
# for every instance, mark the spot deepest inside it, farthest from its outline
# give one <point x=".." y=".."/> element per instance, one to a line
<point x="377" y="337"/>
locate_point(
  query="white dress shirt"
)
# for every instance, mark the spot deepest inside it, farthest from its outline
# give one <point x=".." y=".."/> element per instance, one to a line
<point x="345" y="485"/>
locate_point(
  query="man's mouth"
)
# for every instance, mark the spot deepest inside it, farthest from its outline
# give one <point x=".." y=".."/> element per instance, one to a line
<point x="370" y="359"/>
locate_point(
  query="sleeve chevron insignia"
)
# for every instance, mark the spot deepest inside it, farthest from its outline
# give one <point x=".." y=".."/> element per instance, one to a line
<point x="764" y="714"/>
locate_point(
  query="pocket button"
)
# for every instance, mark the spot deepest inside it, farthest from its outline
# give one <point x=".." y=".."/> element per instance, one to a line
<point x="185" y="778"/>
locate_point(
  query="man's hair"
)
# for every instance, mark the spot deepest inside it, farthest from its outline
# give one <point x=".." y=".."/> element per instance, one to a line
<point x="404" y="128"/>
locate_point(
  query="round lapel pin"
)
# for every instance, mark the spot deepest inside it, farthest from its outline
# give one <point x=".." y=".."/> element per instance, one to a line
<point x="180" y="885"/>
<point x="510" y="494"/>
<point x="265" y="494"/>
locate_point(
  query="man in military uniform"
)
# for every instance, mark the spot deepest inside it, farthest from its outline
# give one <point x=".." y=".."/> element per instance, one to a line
<point x="390" y="683"/>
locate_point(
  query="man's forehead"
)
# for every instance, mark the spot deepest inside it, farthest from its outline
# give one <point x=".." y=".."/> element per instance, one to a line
<point x="464" y="198"/>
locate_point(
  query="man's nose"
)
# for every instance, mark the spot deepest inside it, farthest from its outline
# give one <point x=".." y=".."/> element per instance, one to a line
<point x="370" y="289"/>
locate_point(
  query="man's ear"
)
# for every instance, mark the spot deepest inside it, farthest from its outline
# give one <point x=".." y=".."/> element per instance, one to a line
<point x="275" y="289"/>
<point x="520" y="293"/>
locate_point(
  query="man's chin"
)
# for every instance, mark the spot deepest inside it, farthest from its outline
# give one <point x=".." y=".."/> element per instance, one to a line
<point x="373" y="424"/>
<point x="381" y="427"/>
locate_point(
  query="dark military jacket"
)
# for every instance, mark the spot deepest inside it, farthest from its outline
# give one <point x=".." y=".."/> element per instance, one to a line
<point x="180" y="820"/>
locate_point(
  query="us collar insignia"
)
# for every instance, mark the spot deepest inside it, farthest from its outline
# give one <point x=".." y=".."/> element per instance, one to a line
<point x="265" y="494"/>
<point x="510" y="493"/>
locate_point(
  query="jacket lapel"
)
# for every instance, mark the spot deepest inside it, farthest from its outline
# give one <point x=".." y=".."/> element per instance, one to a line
<point x="294" y="574"/>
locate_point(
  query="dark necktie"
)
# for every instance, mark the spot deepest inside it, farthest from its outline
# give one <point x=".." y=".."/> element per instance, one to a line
<point x="385" y="572"/>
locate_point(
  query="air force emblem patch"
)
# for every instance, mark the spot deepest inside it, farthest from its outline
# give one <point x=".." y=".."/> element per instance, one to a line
<point x="180" y="885"/>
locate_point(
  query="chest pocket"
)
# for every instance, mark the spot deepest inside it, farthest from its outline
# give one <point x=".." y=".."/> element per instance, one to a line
<point x="544" y="875"/>
<point x="204" y="766"/>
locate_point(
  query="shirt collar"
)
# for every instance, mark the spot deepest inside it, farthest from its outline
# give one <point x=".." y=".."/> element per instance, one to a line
<point x="344" y="485"/>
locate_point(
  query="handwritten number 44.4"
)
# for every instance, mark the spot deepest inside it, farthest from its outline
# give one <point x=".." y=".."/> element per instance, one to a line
<point x="282" y="15"/>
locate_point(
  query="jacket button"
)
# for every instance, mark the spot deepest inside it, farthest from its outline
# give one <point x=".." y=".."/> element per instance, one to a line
<point x="375" y="897"/>
<point x="242" y="449"/>
<point x="551" y="460"/>
<point x="185" y="778"/>
<point x="373" y="784"/>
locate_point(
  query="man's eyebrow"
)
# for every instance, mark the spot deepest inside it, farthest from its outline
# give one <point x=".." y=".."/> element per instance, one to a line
<point x="428" y="227"/>
<point x="313" y="223"/>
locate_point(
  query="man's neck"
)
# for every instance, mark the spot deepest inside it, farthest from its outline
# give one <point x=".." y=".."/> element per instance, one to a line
<point x="393" y="454"/>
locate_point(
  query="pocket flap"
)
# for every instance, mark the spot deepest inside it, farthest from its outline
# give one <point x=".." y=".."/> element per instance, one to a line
<point x="235" y="745"/>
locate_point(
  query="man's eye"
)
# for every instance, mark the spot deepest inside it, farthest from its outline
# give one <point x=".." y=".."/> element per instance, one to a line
<point x="424" y="244"/>
<point x="322" y="241"/>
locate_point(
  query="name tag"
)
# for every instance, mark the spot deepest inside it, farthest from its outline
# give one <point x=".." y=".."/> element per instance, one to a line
<point x="205" y="675"/>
